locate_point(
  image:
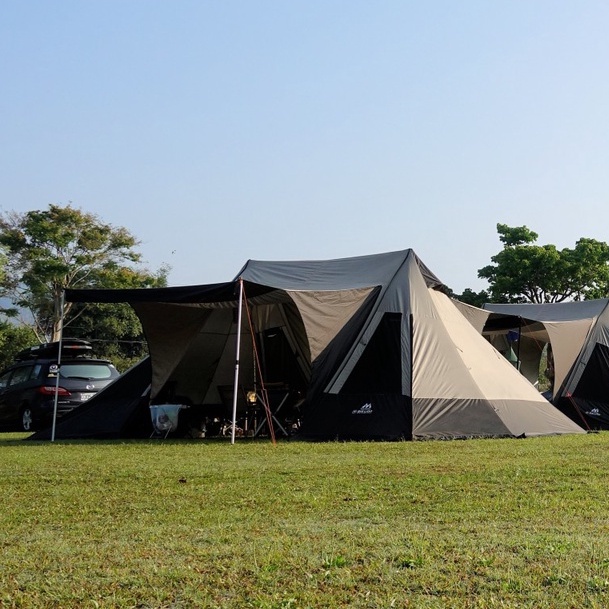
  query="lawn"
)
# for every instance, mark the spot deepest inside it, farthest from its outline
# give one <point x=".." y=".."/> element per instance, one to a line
<point x="176" y="524"/>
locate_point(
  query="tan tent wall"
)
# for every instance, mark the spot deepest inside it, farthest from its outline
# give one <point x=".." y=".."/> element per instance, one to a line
<point x="324" y="313"/>
<point x="477" y="317"/>
<point x="599" y="333"/>
<point x="170" y="328"/>
<point x="567" y="339"/>
<point x="462" y="384"/>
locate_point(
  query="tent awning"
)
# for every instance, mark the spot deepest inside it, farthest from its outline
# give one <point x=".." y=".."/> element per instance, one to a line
<point x="211" y="293"/>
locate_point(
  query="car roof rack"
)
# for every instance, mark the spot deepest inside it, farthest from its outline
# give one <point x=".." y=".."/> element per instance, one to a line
<point x="70" y="347"/>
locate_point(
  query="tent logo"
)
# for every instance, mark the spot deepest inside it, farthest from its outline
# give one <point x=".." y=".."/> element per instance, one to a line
<point x="365" y="409"/>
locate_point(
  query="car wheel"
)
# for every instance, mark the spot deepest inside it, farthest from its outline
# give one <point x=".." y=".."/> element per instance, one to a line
<point x="27" y="419"/>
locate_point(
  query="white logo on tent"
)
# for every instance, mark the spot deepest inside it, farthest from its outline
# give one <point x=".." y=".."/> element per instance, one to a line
<point x="365" y="409"/>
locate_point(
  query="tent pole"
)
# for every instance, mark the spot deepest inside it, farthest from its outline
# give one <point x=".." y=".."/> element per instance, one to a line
<point x="519" y="341"/>
<point x="237" y="354"/>
<point x="56" y="399"/>
<point x="411" y="363"/>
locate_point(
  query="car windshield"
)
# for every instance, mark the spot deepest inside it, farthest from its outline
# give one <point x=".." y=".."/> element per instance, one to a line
<point x="86" y="371"/>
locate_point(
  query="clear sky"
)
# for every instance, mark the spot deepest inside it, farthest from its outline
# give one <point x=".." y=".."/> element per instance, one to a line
<point x="222" y="130"/>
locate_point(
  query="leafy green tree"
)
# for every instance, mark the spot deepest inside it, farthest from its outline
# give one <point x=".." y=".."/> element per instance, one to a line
<point x="113" y="329"/>
<point x="13" y="338"/>
<point x="477" y="299"/>
<point x="526" y="272"/>
<point x="50" y="250"/>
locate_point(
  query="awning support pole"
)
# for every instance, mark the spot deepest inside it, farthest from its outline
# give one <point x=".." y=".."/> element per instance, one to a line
<point x="237" y="355"/>
<point x="56" y="399"/>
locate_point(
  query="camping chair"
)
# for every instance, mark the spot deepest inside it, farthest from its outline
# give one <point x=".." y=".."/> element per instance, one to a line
<point x="164" y="418"/>
<point x="281" y="398"/>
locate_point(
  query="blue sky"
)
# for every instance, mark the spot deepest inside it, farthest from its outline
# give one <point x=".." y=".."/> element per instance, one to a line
<point x="218" y="131"/>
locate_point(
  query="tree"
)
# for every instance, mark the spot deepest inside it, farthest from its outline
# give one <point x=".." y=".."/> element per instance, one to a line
<point x="50" y="250"/>
<point x="476" y="299"/>
<point x="525" y="272"/>
<point x="13" y="338"/>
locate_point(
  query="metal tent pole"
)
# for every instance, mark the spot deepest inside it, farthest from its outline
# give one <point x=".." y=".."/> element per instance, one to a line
<point x="411" y="331"/>
<point x="56" y="400"/>
<point x="519" y="341"/>
<point x="237" y="354"/>
<point x="411" y="363"/>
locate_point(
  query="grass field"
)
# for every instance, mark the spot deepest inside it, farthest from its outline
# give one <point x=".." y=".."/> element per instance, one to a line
<point x="477" y="523"/>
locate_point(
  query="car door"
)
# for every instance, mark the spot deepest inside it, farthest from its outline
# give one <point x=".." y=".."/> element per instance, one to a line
<point x="13" y="385"/>
<point x="6" y="414"/>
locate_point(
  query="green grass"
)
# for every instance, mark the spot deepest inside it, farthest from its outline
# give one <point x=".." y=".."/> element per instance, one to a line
<point x="152" y="524"/>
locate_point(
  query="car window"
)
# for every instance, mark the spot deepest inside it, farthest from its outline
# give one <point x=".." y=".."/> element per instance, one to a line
<point x="97" y="372"/>
<point x="4" y="379"/>
<point x="20" y="375"/>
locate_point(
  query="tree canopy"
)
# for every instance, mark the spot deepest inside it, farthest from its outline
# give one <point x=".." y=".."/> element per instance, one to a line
<point x="526" y="272"/>
<point x="47" y="251"/>
<point x="13" y="338"/>
<point x="477" y="299"/>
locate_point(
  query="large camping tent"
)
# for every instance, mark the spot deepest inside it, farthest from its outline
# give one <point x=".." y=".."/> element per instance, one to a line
<point x="370" y="345"/>
<point x="578" y="333"/>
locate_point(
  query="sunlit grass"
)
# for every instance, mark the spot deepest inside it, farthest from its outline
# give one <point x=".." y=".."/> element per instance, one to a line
<point x="477" y="523"/>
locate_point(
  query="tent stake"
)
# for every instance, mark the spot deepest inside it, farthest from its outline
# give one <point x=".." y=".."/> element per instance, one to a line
<point x="237" y="354"/>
